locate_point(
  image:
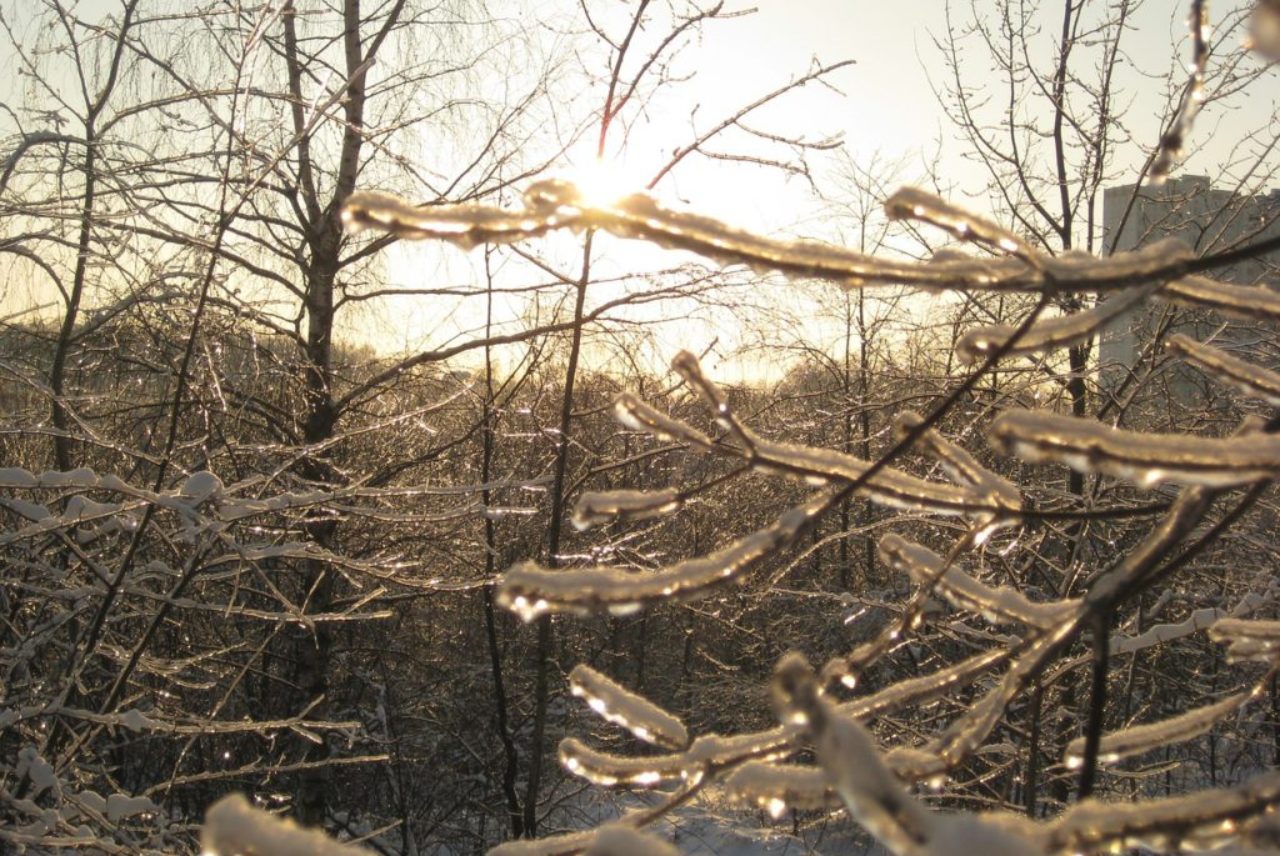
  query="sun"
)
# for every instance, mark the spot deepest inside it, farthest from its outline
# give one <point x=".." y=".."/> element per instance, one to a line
<point x="604" y="181"/>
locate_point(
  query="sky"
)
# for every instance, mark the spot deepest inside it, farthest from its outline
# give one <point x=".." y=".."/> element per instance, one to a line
<point x="882" y="106"/>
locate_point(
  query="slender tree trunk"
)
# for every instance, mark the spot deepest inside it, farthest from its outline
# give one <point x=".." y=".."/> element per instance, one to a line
<point x="510" y="756"/>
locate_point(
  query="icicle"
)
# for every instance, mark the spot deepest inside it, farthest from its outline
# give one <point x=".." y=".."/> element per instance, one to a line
<point x="530" y="590"/>
<point x="1154" y="735"/>
<point x="598" y="508"/>
<point x="1245" y="301"/>
<point x="977" y="344"/>
<point x="997" y="605"/>
<point x="1193" y="96"/>
<point x="1145" y="459"/>
<point x="778" y="787"/>
<point x="1248" y="639"/>
<point x="1252" y="380"/>
<point x="960" y="466"/>
<point x="622" y="707"/>
<point x="911" y="203"/>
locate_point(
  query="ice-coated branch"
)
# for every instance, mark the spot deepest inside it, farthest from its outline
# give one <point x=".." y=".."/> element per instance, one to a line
<point x="778" y="787"/>
<point x="991" y="504"/>
<point x="1058" y="332"/>
<point x="1246" y="301"/>
<point x="557" y="204"/>
<point x="996" y="605"/>
<point x="597" y="508"/>
<point x="232" y="827"/>
<point x="1193" y="95"/>
<point x="1252" y="380"/>
<point x="1145" y="459"/>
<point x="960" y="466"/>
<point x="849" y="757"/>
<point x="1205" y="819"/>
<point x="1189" y="725"/>
<point x="871" y="791"/>
<point x="530" y="590"/>
<point x="1248" y="639"/>
<point x="620" y="706"/>
<point x="911" y="203"/>
<point x="615" y="839"/>
<point x="1264" y="29"/>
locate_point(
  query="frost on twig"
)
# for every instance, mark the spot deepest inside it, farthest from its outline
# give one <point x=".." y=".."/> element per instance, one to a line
<point x="1146" y="459"/>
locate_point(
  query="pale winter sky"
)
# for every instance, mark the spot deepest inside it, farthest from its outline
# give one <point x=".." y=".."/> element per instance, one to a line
<point x="885" y="104"/>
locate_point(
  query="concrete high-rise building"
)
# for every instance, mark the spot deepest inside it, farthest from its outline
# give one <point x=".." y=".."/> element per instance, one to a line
<point x="1203" y="217"/>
